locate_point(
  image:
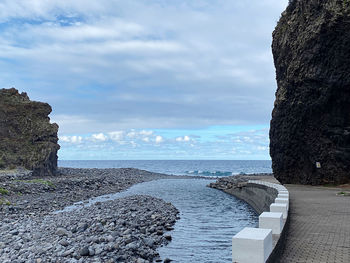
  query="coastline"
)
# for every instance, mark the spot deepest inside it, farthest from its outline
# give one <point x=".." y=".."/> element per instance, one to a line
<point x="70" y="185"/>
<point x="130" y="229"/>
<point x="90" y="233"/>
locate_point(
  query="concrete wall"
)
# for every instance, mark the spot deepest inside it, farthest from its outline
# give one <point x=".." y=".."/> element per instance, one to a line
<point x="260" y="197"/>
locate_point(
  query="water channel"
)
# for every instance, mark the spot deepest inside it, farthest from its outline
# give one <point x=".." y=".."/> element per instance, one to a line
<point x="208" y="218"/>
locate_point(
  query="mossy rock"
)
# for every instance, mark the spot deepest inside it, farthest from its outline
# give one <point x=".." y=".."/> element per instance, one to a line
<point x="3" y="191"/>
<point x="29" y="140"/>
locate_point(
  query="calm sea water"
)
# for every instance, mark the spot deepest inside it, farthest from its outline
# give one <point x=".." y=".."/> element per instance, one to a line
<point x="180" y="167"/>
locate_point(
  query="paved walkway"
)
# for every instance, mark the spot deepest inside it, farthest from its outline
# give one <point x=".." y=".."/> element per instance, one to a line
<point x="319" y="229"/>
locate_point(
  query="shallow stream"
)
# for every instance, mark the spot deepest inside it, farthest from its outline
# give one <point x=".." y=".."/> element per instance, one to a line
<point x="209" y="218"/>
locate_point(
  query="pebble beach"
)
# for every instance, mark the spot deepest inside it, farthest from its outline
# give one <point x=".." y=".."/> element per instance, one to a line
<point x="129" y="229"/>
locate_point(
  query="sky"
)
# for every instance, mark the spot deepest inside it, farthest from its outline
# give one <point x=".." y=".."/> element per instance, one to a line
<point x="146" y="79"/>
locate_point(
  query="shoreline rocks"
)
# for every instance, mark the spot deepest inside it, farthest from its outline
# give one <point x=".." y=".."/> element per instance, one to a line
<point x="124" y="230"/>
<point x="238" y="181"/>
<point x="40" y="195"/>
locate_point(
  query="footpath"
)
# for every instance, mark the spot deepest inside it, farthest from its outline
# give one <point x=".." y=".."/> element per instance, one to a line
<point x="319" y="230"/>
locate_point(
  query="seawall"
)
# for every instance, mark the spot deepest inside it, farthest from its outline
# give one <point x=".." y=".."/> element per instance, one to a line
<point x="260" y="195"/>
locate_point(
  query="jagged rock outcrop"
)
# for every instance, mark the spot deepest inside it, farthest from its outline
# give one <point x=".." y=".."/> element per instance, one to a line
<point x="27" y="139"/>
<point x="310" y="123"/>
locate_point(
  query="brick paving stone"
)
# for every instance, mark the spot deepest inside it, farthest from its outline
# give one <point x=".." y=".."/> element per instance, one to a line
<point x="319" y="230"/>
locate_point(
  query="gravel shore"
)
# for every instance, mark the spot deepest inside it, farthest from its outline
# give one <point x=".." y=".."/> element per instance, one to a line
<point x="235" y="181"/>
<point x="124" y="230"/>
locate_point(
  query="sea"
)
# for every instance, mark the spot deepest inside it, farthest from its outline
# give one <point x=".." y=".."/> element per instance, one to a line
<point x="209" y="218"/>
<point x="213" y="168"/>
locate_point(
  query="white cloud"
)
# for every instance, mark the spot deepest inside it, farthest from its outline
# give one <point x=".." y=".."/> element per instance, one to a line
<point x="116" y="136"/>
<point x="146" y="133"/>
<point x="64" y="139"/>
<point x="99" y="137"/>
<point x="71" y="121"/>
<point x="262" y="148"/>
<point x="71" y="139"/>
<point x="159" y="139"/>
<point x="143" y="135"/>
<point x="247" y="139"/>
<point x="118" y="145"/>
<point x="132" y="134"/>
<point x="185" y="138"/>
<point x="36" y="9"/>
<point x="112" y="28"/>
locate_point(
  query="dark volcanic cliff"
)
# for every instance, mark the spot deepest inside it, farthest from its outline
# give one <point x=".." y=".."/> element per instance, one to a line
<point x="27" y="139"/>
<point x="311" y="117"/>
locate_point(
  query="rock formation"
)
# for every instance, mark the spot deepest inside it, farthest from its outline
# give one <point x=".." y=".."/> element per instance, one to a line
<point x="310" y="126"/>
<point x="27" y="139"/>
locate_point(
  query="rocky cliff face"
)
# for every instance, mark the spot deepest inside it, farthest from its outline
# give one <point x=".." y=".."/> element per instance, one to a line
<point x="27" y="139"/>
<point x="310" y="127"/>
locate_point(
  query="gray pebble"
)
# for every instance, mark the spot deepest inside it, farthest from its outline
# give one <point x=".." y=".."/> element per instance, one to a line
<point x="61" y="232"/>
<point x="84" y="251"/>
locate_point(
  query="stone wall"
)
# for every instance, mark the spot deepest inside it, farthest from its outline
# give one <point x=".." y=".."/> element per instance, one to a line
<point x="260" y="197"/>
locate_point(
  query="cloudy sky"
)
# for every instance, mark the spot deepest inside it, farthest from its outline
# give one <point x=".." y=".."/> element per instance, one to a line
<point x="146" y="79"/>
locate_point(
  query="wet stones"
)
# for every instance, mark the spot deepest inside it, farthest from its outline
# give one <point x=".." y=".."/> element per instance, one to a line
<point x="126" y="230"/>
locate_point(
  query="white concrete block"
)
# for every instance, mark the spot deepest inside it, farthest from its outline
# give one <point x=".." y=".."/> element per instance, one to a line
<point x="272" y="220"/>
<point x="279" y="200"/>
<point x="282" y="208"/>
<point x="281" y="188"/>
<point x="283" y="196"/>
<point x="252" y="245"/>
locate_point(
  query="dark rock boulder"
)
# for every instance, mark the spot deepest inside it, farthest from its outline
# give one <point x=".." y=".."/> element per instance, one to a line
<point x="310" y="126"/>
<point x="27" y="139"/>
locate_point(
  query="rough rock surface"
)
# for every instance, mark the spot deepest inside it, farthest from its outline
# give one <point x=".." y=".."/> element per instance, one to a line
<point x="27" y="139"/>
<point x="311" y="117"/>
<point x="123" y="230"/>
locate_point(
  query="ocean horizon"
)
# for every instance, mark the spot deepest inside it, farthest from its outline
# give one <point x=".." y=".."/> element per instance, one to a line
<point x="214" y="168"/>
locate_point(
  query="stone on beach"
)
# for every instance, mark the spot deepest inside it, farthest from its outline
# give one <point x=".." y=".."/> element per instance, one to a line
<point x="125" y="229"/>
